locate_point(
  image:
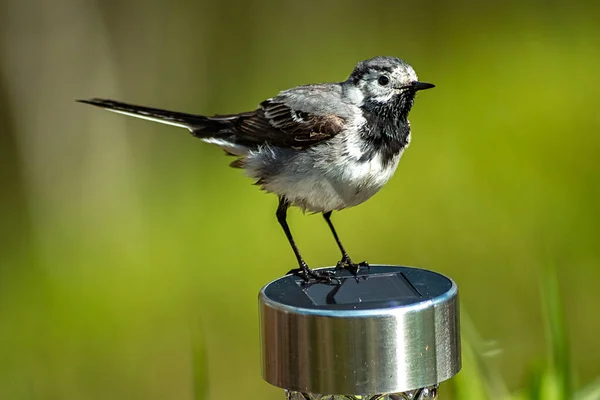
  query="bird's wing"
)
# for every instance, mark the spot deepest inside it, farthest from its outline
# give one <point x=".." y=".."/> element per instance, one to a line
<point x="298" y="118"/>
<point x="279" y="125"/>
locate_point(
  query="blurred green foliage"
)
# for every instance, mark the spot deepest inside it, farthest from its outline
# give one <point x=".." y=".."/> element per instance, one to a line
<point x="132" y="255"/>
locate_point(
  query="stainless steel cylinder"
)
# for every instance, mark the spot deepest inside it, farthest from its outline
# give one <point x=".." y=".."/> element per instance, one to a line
<point x="390" y="329"/>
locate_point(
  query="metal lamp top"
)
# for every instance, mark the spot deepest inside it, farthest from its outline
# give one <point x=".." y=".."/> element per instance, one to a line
<point x="390" y="329"/>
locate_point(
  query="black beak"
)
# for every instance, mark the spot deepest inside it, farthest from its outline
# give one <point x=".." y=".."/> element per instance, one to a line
<point x="416" y="85"/>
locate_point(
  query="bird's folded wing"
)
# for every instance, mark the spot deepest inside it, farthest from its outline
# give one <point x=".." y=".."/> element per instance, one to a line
<point x="298" y="118"/>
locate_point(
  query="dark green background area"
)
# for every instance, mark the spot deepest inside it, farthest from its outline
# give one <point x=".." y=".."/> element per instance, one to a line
<point x="130" y="251"/>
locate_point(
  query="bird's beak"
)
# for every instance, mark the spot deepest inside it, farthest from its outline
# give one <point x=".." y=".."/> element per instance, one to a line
<point x="416" y="85"/>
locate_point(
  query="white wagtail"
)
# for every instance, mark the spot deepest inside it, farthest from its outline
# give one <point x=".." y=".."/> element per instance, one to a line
<point x="320" y="147"/>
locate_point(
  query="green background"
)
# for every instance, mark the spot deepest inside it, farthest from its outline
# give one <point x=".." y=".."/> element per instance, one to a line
<point x="131" y="255"/>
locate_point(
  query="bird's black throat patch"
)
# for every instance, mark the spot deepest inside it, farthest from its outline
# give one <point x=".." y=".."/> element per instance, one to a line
<point x="386" y="130"/>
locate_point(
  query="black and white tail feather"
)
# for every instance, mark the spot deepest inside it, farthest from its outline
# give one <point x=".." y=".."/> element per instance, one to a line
<point x="198" y="125"/>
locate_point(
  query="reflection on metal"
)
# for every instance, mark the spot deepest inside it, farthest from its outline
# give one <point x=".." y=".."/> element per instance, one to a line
<point x="389" y="330"/>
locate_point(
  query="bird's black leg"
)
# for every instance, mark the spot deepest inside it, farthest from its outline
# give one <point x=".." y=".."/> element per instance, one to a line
<point x="345" y="262"/>
<point x="304" y="271"/>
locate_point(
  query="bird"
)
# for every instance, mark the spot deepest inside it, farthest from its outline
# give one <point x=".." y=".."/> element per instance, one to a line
<point x="321" y="147"/>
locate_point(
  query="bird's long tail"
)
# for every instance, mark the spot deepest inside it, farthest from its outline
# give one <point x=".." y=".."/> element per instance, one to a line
<point x="183" y="120"/>
<point x="218" y="130"/>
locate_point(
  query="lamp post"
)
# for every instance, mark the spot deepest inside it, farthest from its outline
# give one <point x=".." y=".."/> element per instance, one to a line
<point x="389" y="333"/>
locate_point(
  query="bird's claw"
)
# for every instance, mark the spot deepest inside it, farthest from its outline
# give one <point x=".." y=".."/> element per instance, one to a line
<point x="346" y="263"/>
<point x="312" y="276"/>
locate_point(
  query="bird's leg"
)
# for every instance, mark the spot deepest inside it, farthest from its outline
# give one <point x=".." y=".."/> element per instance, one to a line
<point x="345" y="262"/>
<point x="304" y="271"/>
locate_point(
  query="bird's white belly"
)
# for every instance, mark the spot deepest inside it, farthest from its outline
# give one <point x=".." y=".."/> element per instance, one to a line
<point x="322" y="185"/>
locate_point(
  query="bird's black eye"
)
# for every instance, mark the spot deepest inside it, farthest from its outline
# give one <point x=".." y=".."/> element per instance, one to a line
<point x="383" y="80"/>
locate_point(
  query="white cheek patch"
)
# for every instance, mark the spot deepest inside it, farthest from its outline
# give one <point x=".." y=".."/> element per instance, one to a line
<point x="384" y="98"/>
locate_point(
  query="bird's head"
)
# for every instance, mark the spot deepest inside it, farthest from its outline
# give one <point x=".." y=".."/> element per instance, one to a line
<point x="383" y="80"/>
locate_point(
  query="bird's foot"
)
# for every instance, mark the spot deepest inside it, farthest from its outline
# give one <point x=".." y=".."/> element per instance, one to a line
<point x="346" y="263"/>
<point x="314" y="276"/>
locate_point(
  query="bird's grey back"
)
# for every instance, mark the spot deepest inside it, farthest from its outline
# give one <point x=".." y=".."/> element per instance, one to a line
<point x="319" y="99"/>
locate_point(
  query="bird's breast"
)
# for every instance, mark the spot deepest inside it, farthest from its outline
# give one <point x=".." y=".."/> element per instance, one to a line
<point x="358" y="180"/>
<point x="326" y="177"/>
